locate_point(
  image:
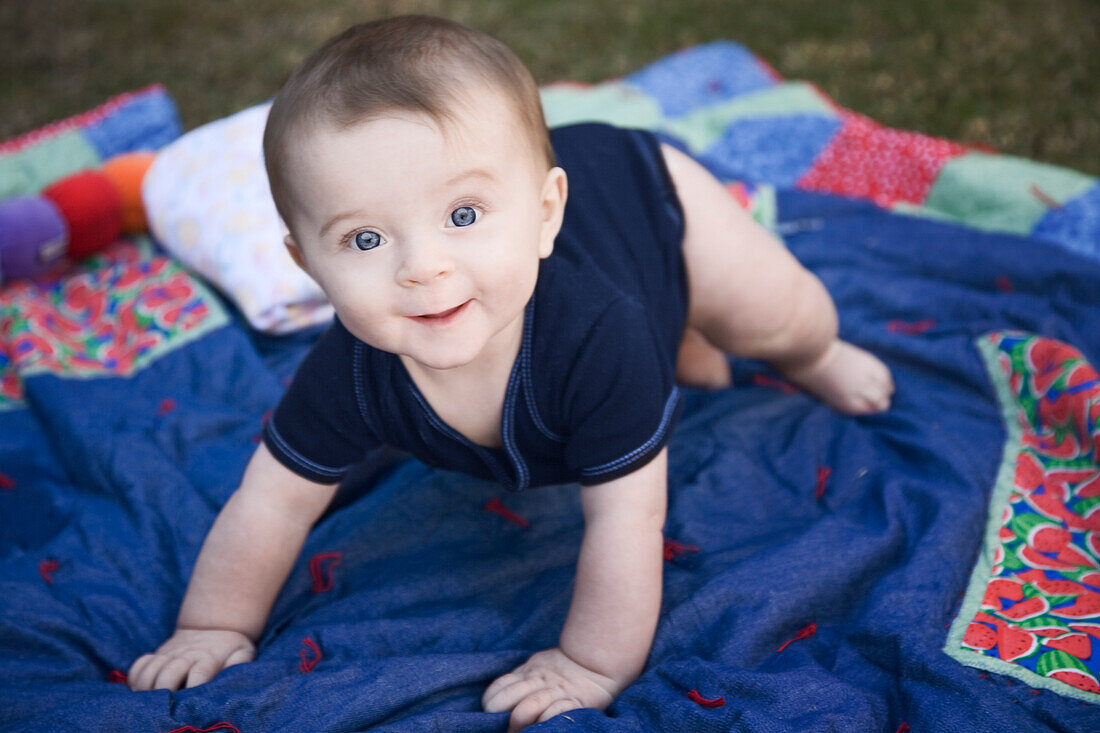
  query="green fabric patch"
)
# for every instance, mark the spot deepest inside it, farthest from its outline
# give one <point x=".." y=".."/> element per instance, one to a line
<point x="760" y="203"/>
<point x="701" y="128"/>
<point x="1001" y="192"/>
<point x="31" y="169"/>
<point x="612" y="102"/>
<point x="911" y="209"/>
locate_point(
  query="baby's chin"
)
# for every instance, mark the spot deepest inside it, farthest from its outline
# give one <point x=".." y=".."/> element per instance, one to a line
<point x="440" y="352"/>
<point x="439" y="360"/>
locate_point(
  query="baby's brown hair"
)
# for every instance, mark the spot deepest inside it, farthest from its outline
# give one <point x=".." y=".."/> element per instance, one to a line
<point x="414" y="63"/>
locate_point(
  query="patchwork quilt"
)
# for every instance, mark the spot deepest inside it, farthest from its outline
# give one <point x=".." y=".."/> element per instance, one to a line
<point x="935" y="567"/>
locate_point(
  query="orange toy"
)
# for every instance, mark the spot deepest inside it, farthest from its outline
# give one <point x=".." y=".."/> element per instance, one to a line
<point x="126" y="172"/>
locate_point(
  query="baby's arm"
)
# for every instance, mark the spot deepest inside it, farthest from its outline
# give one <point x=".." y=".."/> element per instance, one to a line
<point x="244" y="561"/>
<point x="616" y="602"/>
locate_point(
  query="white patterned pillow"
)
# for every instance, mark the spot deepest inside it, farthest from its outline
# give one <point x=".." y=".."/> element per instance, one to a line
<point x="208" y="202"/>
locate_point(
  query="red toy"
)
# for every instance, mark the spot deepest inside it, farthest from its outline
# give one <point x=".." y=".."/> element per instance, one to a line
<point x="92" y="208"/>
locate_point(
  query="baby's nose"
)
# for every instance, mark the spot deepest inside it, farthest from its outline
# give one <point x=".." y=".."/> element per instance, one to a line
<point x="423" y="262"/>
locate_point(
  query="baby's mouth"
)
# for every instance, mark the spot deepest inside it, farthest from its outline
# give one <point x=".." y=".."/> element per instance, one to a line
<point x="443" y="316"/>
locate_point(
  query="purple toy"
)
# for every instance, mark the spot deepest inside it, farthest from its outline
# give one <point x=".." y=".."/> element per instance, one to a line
<point x="33" y="236"/>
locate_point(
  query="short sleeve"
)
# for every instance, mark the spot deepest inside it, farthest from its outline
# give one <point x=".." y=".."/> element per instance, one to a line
<point x="621" y="400"/>
<point x="317" y="430"/>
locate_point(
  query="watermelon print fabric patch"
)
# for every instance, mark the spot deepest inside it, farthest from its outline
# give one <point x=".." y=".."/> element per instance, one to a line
<point x="110" y="316"/>
<point x="1032" y="608"/>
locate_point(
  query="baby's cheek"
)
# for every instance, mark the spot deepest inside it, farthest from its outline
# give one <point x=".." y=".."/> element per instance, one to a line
<point x="366" y="325"/>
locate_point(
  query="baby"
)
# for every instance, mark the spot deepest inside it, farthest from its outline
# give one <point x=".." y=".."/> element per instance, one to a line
<point x="511" y="303"/>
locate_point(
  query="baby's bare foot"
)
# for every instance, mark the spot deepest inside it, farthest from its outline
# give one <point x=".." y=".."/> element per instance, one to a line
<point x="848" y="379"/>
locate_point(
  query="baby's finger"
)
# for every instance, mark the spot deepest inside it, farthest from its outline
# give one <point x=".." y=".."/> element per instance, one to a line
<point x="149" y="672"/>
<point x="134" y="677"/>
<point x="172" y="674"/>
<point x="528" y="710"/>
<point x="507" y="698"/>
<point x="239" y="657"/>
<point x="501" y="682"/>
<point x="563" y="705"/>
<point x="201" y="672"/>
<point x="495" y="687"/>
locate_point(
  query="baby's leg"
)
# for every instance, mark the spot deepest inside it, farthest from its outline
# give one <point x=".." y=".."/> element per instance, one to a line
<point x="700" y="363"/>
<point x="750" y="297"/>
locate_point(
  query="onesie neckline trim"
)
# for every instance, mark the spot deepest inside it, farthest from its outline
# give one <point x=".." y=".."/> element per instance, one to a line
<point x="499" y="460"/>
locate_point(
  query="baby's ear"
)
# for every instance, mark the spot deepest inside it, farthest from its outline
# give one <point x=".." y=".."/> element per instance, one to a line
<point x="555" y="192"/>
<point x="295" y="253"/>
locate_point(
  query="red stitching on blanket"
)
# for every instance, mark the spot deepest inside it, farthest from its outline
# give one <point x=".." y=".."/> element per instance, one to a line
<point x="263" y="421"/>
<point x="910" y="328"/>
<point x="674" y="549"/>
<point x="698" y="699"/>
<point x="771" y="71"/>
<point x="307" y="665"/>
<point x="764" y="380"/>
<point x="216" y="726"/>
<point x="497" y="506"/>
<point x="79" y="121"/>
<point x="166" y="406"/>
<point x="804" y="632"/>
<point x="1004" y="284"/>
<point x="903" y="728"/>
<point x="6" y="482"/>
<point x="117" y="676"/>
<point x="322" y="583"/>
<point x="46" y="567"/>
<point x="1043" y="196"/>
<point x="822" y="476"/>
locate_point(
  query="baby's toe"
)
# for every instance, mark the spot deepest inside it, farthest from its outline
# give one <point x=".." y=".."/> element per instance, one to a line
<point x="869" y="400"/>
<point x="879" y="399"/>
<point x="864" y="406"/>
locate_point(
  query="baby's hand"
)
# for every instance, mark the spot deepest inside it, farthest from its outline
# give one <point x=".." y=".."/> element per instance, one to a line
<point x="847" y="378"/>
<point x="545" y="685"/>
<point x="190" y="657"/>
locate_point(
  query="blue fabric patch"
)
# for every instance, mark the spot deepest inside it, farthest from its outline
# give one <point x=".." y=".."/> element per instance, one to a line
<point x="775" y="150"/>
<point x="700" y="76"/>
<point x="148" y="121"/>
<point x="1075" y="224"/>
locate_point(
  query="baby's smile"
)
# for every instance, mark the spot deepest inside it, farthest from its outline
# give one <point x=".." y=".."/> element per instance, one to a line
<point x="443" y="318"/>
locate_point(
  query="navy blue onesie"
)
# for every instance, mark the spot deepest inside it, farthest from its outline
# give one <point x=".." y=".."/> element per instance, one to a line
<point x="591" y="395"/>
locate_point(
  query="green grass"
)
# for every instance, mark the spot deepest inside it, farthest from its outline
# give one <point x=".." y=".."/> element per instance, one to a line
<point x="1019" y="75"/>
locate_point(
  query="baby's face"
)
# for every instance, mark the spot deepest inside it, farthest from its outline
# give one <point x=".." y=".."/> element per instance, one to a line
<point x="427" y="245"/>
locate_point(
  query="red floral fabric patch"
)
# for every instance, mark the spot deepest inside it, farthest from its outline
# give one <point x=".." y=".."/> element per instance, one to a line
<point x="112" y="315"/>
<point x="879" y="163"/>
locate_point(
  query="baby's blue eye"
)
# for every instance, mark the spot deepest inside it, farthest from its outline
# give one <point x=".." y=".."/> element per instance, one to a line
<point x="366" y="240"/>
<point x="463" y="216"/>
